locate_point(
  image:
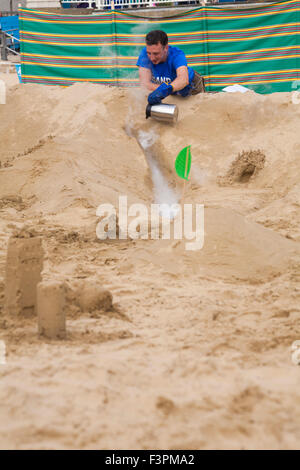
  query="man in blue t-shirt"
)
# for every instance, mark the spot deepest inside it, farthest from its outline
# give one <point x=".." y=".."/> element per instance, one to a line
<point x="163" y="70"/>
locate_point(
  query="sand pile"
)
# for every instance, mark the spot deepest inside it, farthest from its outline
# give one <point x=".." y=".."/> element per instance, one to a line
<point x="194" y="351"/>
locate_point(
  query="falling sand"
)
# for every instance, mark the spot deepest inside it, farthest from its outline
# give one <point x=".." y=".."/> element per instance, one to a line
<point x="188" y="349"/>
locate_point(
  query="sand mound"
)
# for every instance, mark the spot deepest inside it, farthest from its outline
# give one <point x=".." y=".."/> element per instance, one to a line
<point x="246" y="166"/>
<point x="195" y="351"/>
<point x="233" y="248"/>
<point x="62" y="159"/>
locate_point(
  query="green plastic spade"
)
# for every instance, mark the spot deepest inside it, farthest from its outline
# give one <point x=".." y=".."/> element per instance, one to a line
<point x="183" y="162"/>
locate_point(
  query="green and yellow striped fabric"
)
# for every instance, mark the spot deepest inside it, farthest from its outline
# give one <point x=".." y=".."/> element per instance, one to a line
<point x="256" y="47"/>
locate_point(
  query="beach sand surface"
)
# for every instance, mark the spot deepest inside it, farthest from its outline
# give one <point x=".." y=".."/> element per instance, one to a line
<point x="195" y="352"/>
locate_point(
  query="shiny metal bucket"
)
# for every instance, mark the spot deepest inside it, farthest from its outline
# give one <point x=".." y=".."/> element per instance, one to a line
<point x="162" y="112"/>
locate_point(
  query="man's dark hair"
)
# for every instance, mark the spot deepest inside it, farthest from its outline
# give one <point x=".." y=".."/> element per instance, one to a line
<point x="156" y="36"/>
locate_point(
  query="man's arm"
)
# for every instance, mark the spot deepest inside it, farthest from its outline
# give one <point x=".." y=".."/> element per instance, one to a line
<point x="182" y="79"/>
<point x="145" y="76"/>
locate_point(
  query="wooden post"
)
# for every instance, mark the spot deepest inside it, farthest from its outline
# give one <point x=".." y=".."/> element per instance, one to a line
<point x="3" y="46"/>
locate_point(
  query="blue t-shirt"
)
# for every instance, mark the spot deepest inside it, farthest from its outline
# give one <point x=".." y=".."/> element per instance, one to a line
<point x="166" y="71"/>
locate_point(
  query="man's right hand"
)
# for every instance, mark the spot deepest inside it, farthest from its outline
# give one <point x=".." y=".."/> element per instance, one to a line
<point x="160" y="93"/>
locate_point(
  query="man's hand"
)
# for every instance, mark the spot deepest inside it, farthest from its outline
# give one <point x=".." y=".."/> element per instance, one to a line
<point x="160" y="93"/>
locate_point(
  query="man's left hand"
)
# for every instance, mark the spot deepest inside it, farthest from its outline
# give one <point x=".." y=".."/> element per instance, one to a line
<point x="160" y="93"/>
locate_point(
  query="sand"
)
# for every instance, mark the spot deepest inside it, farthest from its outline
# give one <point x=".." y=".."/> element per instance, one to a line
<point x="195" y="350"/>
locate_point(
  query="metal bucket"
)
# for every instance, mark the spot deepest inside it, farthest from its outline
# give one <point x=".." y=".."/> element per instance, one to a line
<point x="162" y="112"/>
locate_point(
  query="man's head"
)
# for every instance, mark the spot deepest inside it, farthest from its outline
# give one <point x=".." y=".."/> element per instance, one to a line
<point x="157" y="46"/>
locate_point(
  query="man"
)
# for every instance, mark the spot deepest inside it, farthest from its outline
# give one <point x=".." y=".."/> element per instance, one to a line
<point x="163" y="70"/>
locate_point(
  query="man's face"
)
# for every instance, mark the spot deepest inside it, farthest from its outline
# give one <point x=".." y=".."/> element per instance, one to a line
<point x="157" y="53"/>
